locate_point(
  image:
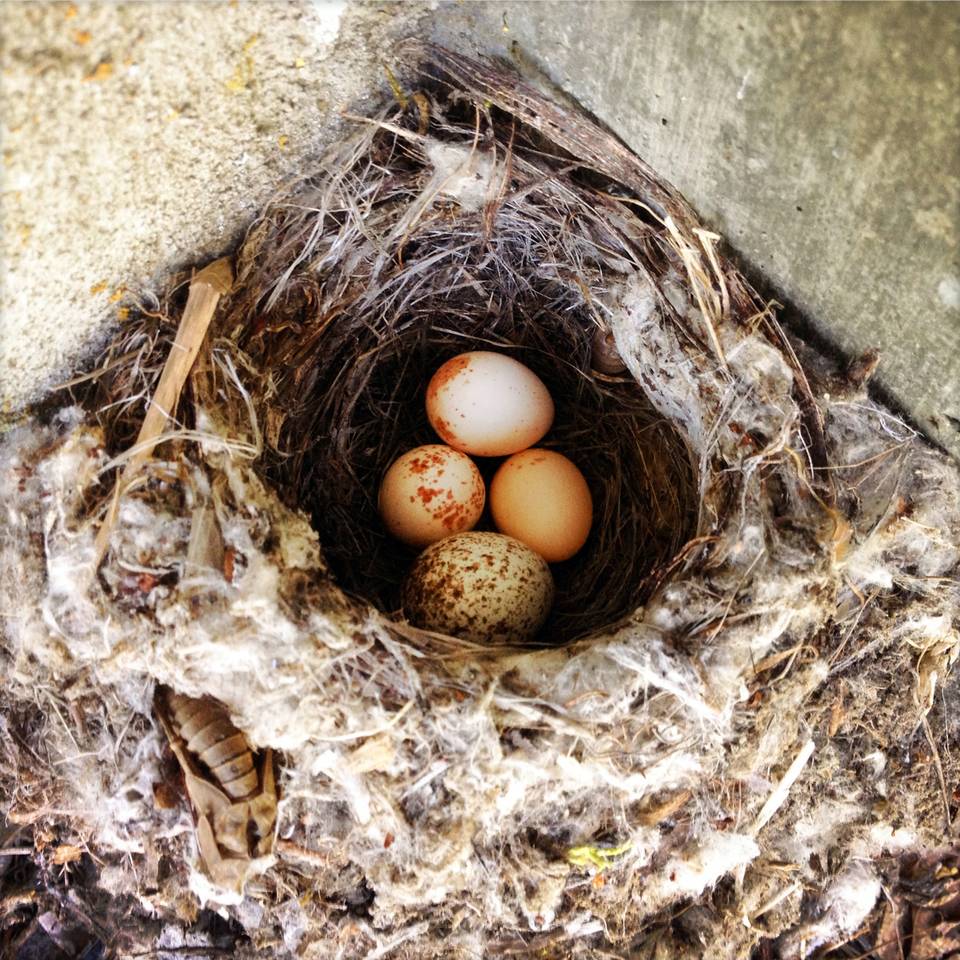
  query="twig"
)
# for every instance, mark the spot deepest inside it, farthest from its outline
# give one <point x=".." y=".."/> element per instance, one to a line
<point x="700" y="285"/>
<point x="188" y="951"/>
<point x="387" y="948"/>
<point x="853" y="626"/>
<point x="938" y="766"/>
<point x="384" y="125"/>
<point x="206" y="288"/>
<point x="776" y="900"/>
<point x="372" y="732"/>
<point x="779" y="795"/>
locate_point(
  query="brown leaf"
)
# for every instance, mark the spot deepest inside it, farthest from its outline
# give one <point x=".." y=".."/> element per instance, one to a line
<point x="889" y="939"/>
<point x="663" y="811"/>
<point x="837" y="716"/>
<point x="933" y="939"/>
<point x="232" y="792"/>
<point x="165" y="797"/>
<point x="66" y="853"/>
<point x="229" y="557"/>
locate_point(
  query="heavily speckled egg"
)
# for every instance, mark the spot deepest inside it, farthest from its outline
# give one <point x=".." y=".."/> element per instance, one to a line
<point x="542" y="499"/>
<point x="488" y="404"/>
<point x="429" y="493"/>
<point x="479" y="586"/>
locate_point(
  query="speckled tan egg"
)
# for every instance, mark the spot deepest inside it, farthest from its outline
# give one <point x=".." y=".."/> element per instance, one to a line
<point x="429" y="493"/>
<point x="541" y="498"/>
<point x="479" y="586"/>
<point x="488" y="404"/>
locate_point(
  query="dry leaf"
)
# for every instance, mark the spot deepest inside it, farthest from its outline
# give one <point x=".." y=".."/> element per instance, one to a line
<point x="663" y="811"/>
<point x="235" y="830"/>
<point x="66" y="853"/>
<point x="837" y="716"/>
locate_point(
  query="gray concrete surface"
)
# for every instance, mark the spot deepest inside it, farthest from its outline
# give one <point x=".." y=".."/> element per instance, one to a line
<point x="823" y="140"/>
<point x="141" y="137"/>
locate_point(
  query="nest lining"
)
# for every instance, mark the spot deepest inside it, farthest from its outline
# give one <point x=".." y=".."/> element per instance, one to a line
<point x="487" y="776"/>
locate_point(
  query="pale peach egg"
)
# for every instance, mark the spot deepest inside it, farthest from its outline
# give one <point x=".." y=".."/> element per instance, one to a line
<point x="488" y="404"/>
<point x="429" y="493"/>
<point x="540" y="498"/>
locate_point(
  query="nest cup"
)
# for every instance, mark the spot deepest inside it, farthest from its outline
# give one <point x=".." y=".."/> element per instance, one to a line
<point x="367" y="407"/>
<point x="440" y="230"/>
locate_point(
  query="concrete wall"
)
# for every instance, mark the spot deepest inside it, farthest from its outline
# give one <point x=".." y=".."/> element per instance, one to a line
<point x="141" y="137"/>
<point x="823" y="140"/>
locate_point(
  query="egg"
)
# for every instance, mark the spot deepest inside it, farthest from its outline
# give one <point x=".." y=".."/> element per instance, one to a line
<point x="488" y="404"/>
<point x="481" y="587"/>
<point x="542" y="499"/>
<point x="429" y="493"/>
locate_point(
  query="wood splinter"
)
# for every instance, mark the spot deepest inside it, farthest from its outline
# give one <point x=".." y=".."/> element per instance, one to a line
<point x="206" y="289"/>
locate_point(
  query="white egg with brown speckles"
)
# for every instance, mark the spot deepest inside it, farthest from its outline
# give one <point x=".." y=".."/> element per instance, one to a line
<point x="481" y="587"/>
<point x="430" y="493"/>
<point x="488" y="404"/>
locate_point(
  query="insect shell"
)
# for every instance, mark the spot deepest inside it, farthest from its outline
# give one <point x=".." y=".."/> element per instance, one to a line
<point x="211" y="737"/>
<point x="605" y="356"/>
<point x="231" y="789"/>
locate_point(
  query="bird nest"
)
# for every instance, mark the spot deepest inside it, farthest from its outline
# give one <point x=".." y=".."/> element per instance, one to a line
<point x="492" y="255"/>
<point x="754" y="532"/>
